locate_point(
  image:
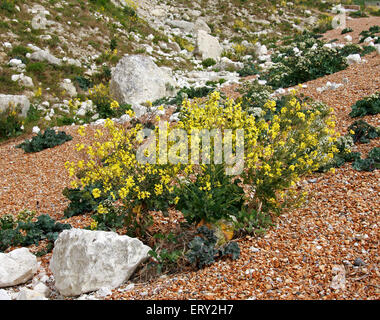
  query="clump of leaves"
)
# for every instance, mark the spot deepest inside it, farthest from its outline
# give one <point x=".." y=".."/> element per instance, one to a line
<point x="167" y="252"/>
<point x="208" y="62"/>
<point x="362" y="132"/>
<point x="358" y="14"/>
<point x="371" y="163"/>
<point x="251" y="222"/>
<point x="110" y="217"/>
<point x="222" y="199"/>
<point x="185" y="93"/>
<point x="49" y="139"/>
<point x="368" y="105"/>
<point x="81" y="201"/>
<point x="346" y="30"/>
<point x="203" y="251"/>
<point x="44" y="228"/>
<point x="25" y="232"/>
<point x="84" y="83"/>
<point x="249" y="69"/>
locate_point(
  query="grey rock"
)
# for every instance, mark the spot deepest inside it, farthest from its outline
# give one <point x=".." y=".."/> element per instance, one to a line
<point x="359" y="262"/>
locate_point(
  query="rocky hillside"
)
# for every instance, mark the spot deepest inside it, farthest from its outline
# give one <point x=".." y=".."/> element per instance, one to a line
<point x="56" y="50"/>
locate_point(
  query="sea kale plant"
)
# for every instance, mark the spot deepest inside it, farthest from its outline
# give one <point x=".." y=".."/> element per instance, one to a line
<point x="305" y="59"/>
<point x="203" y="250"/>
<point x="49" y="139"/>
<point x="367" y="106"/>
<point x="23" y="231"/>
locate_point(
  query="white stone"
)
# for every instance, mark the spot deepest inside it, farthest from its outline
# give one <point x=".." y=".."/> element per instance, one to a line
<point x="42" y="289"/>
<point x="124" y="118"/>
<point x="4" y="295"/>
<point x="377" y="46"/>
<point x="15" y="77"/>
<point x="207" y="46"/>
<point x="338" y="281"/>
<point x="174" y="117"/>
<point x="200" y="24"/>
<point x="226" y="63"/>
<point x="42" y="55"/>
<point x="137" y="79"/>
<point x="104" y="291"/>
<point x="16" y="267"/>
<point x="15" y="62"/>
<point x="85" y="260"/>
<point x="354" y="58"/>
<point x="18" y="100"/>
<point x="7" y="45"/>
<point x="36" y="129"/>
<point x="39" y="22"/>
<point x="27" y="81"/>
<point x="174" y="46"/>
<point x="139" y="110"/>
<point x="187" y="27"/>
<point x="348" y="38"/>
<point x="158" y="12"/>
<point x="69" y="88"/>
<point x="260" y="50"/>
<point x="28" y="294"/>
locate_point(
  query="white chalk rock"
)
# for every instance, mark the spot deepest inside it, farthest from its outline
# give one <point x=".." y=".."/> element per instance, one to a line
<point x="16" y="267"/>
<point x="85" y="260"/>
<point x="353" y="58"/>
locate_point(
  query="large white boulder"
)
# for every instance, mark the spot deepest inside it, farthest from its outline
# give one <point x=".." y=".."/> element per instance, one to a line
<point x="16" y="267"/>
<point x="137" y="79"/>
<point x="85" y="260"/>
<point x="207" y="46"/>
<point x="17" y="100"/>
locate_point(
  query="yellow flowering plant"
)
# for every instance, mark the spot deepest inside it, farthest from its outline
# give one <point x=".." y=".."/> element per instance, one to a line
<point x="264" y="156"/>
